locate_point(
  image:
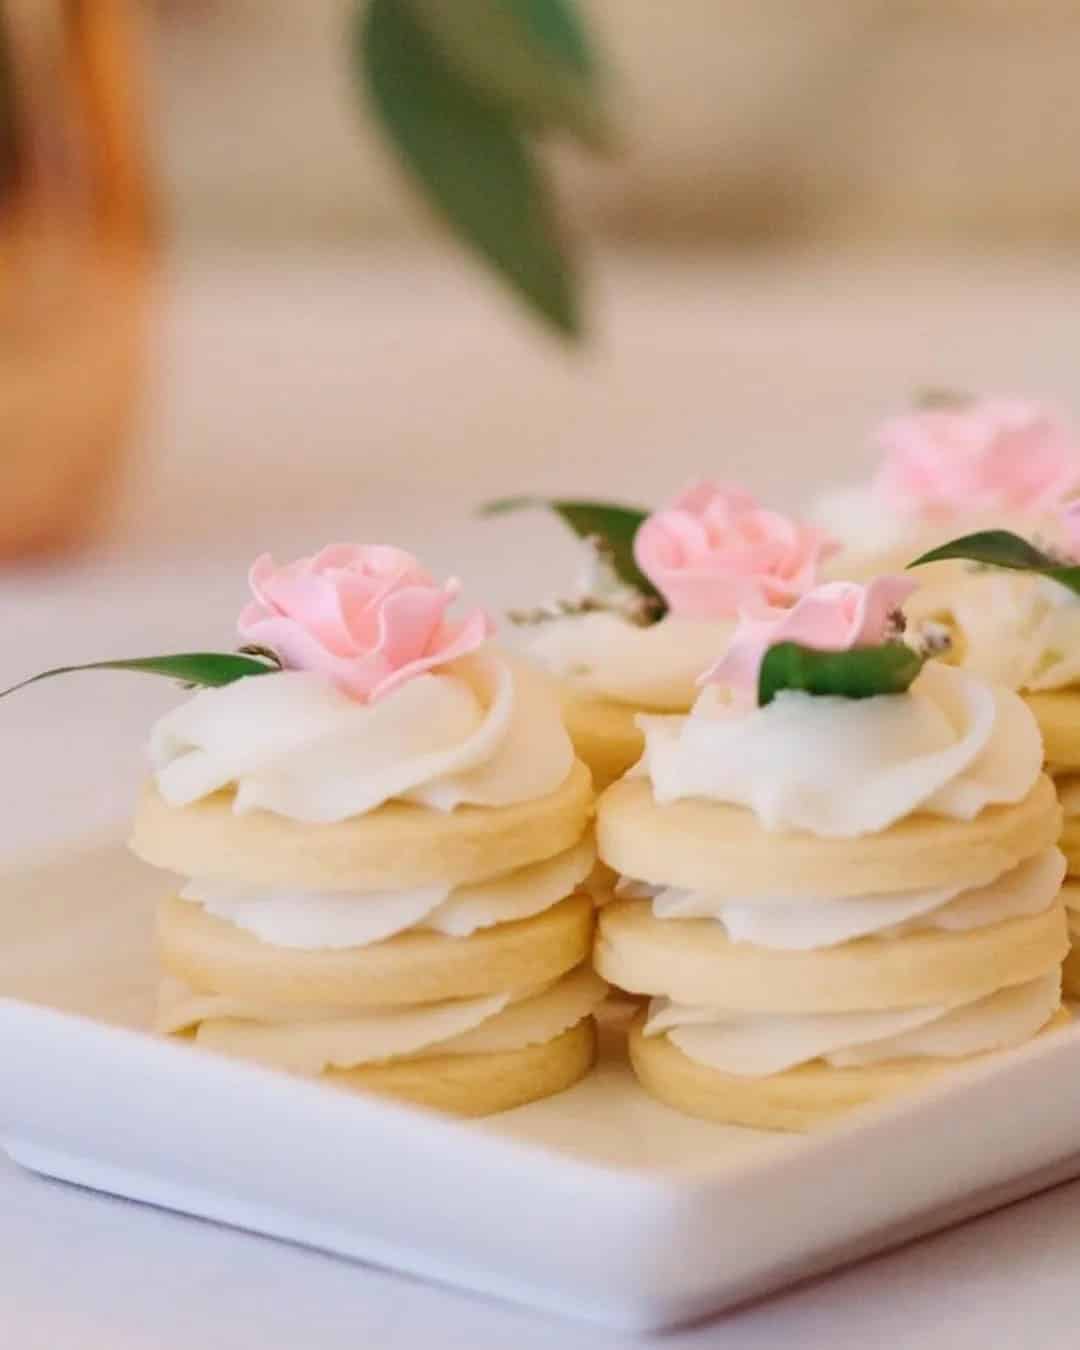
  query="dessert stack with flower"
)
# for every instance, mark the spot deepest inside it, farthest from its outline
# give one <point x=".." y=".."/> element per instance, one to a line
<point x="384" y="832"/>
<point x="658" y="600"/>
<point x="1010" y="612"/>
<point x="840" y="871"/>
<point x="954" y="465"/>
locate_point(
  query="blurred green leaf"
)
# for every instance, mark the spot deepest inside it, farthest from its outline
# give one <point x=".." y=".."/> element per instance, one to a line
<point x="616" y="525"/>
<point x="210" y="669"/>
<point x="530" y="55"/>
<point x="470" y="157"/>
<point x="1002" y="548"/>
<point x="862" y="672"/>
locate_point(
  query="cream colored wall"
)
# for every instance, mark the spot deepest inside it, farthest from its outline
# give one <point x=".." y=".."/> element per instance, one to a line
<point x="746" y="119"/>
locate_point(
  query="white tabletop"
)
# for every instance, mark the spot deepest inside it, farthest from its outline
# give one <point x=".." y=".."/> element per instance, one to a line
<point x="304" y="400"/>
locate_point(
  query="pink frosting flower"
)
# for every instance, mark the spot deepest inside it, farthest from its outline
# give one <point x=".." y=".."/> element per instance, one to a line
<point x="993" y="454"/>
<point x="715" y="551"/>
<point x="832" y="618"/>
<point x="368" y="617"/>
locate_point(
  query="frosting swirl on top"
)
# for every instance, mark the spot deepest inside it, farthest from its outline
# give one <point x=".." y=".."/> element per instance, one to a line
<point x="1016" y="629"/>
<point x="482" y="731"/>
<point x="841" y="768"/>
<point x="604" y="655"/>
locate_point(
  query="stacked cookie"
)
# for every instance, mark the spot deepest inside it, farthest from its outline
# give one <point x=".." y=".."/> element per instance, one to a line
<point x="1022" y="631"/>
<point x="384" y="892"/>
<point x="1058" y="714"/>
<point x="831" y="899"/>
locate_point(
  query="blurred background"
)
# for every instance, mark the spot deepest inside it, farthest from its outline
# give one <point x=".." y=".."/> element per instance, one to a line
<point x="228" y="323"/>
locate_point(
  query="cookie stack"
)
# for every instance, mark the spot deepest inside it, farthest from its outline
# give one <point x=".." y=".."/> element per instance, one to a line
<point x="831" y="899"/>
<point x="383" y="892"/>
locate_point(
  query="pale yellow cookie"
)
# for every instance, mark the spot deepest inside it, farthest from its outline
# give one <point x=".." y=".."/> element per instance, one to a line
<point x="1057" y="712"/>
<point x="604" y="734"/>
<point x="799" y="1099"/>
<point x="398" y="846"/>
<point x="480" y="1085"/>
<point x="213" y="956"/>
<point x="1070" y="973"/>
<point x="692" y="961"/>
<point x="1070" y="970"/>
<point x="701" y="845"/>
<point x="1069" y="843"/>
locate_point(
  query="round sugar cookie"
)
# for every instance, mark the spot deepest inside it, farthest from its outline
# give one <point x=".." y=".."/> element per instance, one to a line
<point x="479" y="1085"/>
<point x="1069" y="843"/>
<point x="799" y="1099"/>
<point x="1070" y="970"/>
<point x="214" y="956"/>
<point x="604" y="735"/>
<point x="1057" y="712"/>
<point x="397" y="846"/>
<point x="693" y="962"/>
<point x="709" y="846"/>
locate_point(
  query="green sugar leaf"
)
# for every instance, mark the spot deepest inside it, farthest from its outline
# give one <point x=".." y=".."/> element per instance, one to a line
<point x="1001" y="548"/>
<point x="863" y="672"/>
<point x="210" y="669"/>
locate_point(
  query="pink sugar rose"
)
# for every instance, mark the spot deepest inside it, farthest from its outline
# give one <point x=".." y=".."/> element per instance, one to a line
<point x="715" y="551"/>
<point x="368" y="617"/>
<point x="832" y="618"/>
<point x="993" y="454"/>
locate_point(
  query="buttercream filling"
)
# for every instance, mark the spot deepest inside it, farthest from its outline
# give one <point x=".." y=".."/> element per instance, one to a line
<point x="1010" y="628"/>
<point x="484" y="730"/>
<point x="757" y="1045"/>
<point x="842" y="768"/>
<point x="312" y="1040"/>
<point x="810" y="923"/>
<point x="328" y="919"/>
<point x="603" y="655"/>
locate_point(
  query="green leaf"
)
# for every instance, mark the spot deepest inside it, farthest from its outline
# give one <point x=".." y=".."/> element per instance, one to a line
<point x="862" y="672"/>
<point x="203" y="668"/>
<point x="617" y="525"/>
<point x="471" y="158"/>
<point x="1001" y="548"/>
<point x="532" y="56"/>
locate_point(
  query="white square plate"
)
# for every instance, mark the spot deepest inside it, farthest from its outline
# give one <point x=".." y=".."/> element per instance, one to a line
<point x="599" y="1203"/>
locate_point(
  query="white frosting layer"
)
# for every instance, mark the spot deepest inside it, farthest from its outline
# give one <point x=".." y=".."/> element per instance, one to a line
<point x="606" y="656"/>
<point x="810" y="923"/>
<point x="840" y="768"/>
<point x="1015" y="629"/>
<point x="313" y="1040"/>
<point x="332" y="919"/>
<point x="482" y="731"/>
<point x="762" y="1044"/>
<point x="880" y="536"/>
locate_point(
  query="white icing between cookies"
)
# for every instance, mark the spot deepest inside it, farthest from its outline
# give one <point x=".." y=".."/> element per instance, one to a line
<point x="482" y="731"/>
<point x="757" y="1045"/>
<point x="812" y="923"/>
<point x="309" y="1041"/>
<point x="330" y="920"/>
